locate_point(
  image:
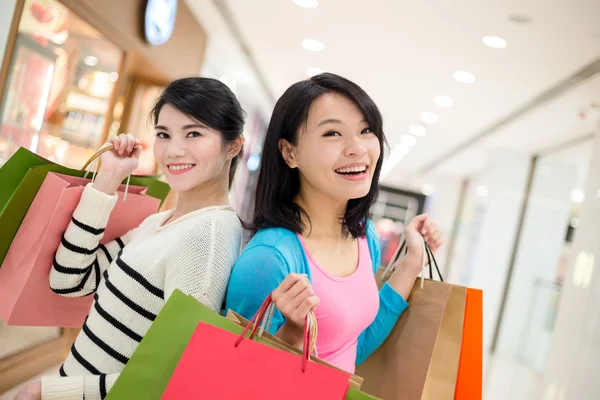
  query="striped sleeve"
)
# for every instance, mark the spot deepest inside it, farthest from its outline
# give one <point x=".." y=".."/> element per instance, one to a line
<point x="80" y="259"/>
<point x="89" y="387"/>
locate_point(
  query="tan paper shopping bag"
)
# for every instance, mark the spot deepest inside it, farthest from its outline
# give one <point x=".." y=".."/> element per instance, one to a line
<point x="441" y="380"/>
<point x="398" y="369"/>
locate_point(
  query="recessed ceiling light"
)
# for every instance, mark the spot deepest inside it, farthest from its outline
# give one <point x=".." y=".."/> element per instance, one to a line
<point x="427" y="189"/>
<point x="90" y="60"/>
<point x="417" y="130"/>
<point x="464" y="77"/>
<point x="408" y="140"/>
<point x="494" y="41"/>
<point x="402" y="149"/>
<point x="481" y="191"/>
<point x="443" y="101"/>
<point x="429" y="117"/>
<point x="307" y="3"/>
<point x="577" y="196"/>
<point x="313" y="45"/>
<point x="314" y="71"/>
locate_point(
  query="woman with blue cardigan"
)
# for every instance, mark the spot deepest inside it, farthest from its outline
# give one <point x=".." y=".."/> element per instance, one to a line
<point x="313" y="246"/>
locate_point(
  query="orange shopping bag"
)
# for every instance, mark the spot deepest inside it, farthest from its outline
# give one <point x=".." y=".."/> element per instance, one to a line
<point x="470" y="368"/>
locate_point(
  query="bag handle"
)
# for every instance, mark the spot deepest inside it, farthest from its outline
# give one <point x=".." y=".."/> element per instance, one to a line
<point x="391" y="267"/>
<point x="267" y="309"/>
<point x="105" y="147"/>
<point x="96" y="158"/>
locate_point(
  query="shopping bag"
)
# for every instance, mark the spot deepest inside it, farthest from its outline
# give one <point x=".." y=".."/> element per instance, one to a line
<point x="355" y="380"/>
<point x="234" y="366"/>
<point x="27" y="299"/>
<point x="469" y="385"/>
<point x="148" y="371"/>
<point x="420" y="358"/>
<point x="20" y="179"/>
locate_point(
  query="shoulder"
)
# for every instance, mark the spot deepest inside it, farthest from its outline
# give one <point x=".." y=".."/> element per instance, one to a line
<point x="216" y="230"/>
<point x="277" y="248"/>
<point x="374" y="245"/>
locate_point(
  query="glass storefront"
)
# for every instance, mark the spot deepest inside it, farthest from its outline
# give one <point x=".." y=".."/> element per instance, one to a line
<point x="59" y="88"/>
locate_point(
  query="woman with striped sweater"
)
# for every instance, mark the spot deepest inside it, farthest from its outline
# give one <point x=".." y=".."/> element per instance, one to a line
<point x="198" y="123"/>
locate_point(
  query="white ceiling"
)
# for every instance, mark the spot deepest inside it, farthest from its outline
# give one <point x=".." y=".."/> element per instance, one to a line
<point x="403" y="53"/>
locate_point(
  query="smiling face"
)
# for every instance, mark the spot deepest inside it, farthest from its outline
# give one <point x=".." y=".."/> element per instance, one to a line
<point x="336" y="152"/>
<point x="189" y="153"/>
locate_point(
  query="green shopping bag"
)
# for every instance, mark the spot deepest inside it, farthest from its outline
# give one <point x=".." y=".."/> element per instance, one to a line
<point x="149" y="370"/>
<point x="20" y="179"/>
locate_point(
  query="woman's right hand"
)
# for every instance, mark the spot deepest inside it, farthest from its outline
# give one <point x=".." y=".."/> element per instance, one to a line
<point x="117" y="164"/>
<point x="294" y="298"/>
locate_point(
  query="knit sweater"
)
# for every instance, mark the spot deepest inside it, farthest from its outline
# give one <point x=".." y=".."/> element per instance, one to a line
<point x="131" y="278"/>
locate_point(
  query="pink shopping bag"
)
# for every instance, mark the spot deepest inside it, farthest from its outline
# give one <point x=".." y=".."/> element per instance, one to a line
<point x="26" y="297"/>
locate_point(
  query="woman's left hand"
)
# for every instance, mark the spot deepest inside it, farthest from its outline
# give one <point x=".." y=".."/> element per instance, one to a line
<point x="422" y="228"/>
<point x="30" y="391"/>
<point x="408" y="268"/>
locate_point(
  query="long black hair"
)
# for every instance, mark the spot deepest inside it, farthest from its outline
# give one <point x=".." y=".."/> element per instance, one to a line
<point x="208" y="101"/>
<point x="278" y="184"/>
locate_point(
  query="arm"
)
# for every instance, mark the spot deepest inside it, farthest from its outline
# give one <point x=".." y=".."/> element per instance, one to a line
<point x="393" y="294"/>
<point x="256" y="274"/>
<point x="200" y="265"/>
<point x="88" y="387"/>
<point x="80" y="259"/>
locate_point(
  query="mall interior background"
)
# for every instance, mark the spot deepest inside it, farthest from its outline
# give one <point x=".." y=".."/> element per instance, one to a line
<point x="496" y="138"/>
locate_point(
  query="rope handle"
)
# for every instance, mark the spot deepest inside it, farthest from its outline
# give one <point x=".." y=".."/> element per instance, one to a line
<point x="391" y="267"/>
<point x="258" y="326"/>
<point x="95" y="158"/>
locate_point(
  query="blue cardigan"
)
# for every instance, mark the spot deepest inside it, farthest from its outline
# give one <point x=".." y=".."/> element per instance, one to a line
<point x="274" y="253"/>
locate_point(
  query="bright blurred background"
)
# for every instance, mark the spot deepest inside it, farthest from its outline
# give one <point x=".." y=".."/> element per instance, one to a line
<point x="491" y="110"/>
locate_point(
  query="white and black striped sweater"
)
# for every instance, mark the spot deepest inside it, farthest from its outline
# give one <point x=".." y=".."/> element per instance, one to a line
<point x="131" y="278"/>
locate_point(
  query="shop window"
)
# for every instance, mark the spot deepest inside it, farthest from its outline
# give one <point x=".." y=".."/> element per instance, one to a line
<point x="59" y="88"/>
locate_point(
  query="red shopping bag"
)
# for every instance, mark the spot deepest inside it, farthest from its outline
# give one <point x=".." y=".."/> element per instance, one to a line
<point x="469" y="384"/>
<point x="27" y="299"/>
<point x="219" y="364"/>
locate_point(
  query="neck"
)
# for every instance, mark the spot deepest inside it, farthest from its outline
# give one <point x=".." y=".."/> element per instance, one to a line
<point x="209" y="194"/>
<point x="326" y="214"/>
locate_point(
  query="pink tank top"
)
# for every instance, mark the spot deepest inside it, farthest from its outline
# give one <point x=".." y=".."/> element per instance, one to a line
<point x="347" y="307"/>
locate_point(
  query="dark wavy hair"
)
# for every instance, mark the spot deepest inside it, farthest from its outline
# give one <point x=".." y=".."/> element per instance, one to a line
<point x="209" y="101"/>
<point x="278" y="184"/>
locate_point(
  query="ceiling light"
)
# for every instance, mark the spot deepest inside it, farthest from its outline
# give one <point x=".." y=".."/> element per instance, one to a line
<point x="313" y="45"/>
<point x="307" y="3"/>
<point x="574" y="222"/>
<point x="427" y="189"/>
<point x="408" y="140"/>
<point x="402" y="149"/>
<point x="429" y="117"/>
<point x="577" y="196"/>
<point x="314" y="71"/>
<point x="464" y="77"/>
<point x="418" y="130"/>
<point x="495" y="42"/>
<point x="443" y="101"/>
<point x="90" y="60"/>
<point x="481" y="191"/>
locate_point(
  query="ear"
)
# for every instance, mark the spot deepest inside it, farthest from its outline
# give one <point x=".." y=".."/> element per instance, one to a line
<point x="288" y="153"/>
<point x="235" y="147"/>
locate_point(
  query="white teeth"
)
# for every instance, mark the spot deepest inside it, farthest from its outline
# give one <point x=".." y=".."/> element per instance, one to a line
<point x="361" y="168"/>
<point x="180" y="167"/>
